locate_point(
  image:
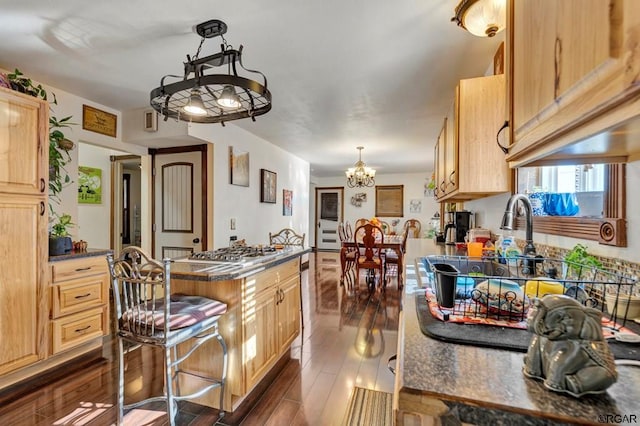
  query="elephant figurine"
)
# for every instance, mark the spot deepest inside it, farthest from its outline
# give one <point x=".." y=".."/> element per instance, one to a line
<point x="568" y="350"/>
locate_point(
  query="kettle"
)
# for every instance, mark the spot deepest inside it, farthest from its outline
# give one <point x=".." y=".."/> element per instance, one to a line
<point x="450" y="233"/>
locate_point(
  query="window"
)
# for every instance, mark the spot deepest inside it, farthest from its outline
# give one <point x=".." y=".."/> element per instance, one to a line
<point x="586" y="181"/>
<point x="601" y="193"/>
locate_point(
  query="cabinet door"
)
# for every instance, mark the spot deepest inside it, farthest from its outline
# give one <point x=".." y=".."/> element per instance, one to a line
<point x="23" y="285"/>
<point x="482" y="168"/>
<point x="451" y="148"/>
<point x="260" y="348"/>
<point x="23" y="141"/>
<point x="288" y="312"/>
<point x="438" y="159"/>
<point x="534" y="35"/>
<point x="574" y="62"/>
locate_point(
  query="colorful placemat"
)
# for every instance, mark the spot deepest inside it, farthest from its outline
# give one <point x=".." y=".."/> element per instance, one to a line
<point x="498" y="336"/>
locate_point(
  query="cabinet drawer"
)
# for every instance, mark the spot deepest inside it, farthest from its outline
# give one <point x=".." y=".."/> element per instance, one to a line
<point x="288" y="269"/>
<point x="76" y="295"/>
<point x="77" y="268"/>
<point x="76" y="329"/>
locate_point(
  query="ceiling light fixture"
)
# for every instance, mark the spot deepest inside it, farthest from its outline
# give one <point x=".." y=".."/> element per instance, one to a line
<point x="483" y="18"/>
<point x="213" y="98"/>
<point x="360" y="175"/>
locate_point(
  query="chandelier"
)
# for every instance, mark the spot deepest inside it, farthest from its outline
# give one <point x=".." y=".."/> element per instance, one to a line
<point x="360" y="175"/>
<point x="199" y="97"/>
<point x="483" y="18"/>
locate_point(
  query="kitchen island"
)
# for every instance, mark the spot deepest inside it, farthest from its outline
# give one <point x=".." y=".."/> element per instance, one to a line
<point x="479" y="385"/>
<point x="262" y="294"/>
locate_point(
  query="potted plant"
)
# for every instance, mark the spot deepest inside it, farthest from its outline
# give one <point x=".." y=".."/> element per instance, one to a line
<point x="577" y="259"/>
<point x="59" y="239"/>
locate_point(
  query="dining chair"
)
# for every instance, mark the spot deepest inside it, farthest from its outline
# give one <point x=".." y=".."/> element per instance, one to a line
<point x="361" y="221"/>
<point x="369" y="239"/>
<point x="414" y="227"/>
<point x="347" y="257"/>
<point x="348" y="230"/>
<point x="146" y="313"/>
<point x="392" y="260"/>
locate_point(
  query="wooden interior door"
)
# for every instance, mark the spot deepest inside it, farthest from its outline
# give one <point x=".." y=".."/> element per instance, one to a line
<point x="179" y="227"/>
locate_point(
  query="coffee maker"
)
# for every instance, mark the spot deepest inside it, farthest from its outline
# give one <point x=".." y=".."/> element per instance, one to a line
<point x="456" y="229"/>
<point x="462" y="221"/>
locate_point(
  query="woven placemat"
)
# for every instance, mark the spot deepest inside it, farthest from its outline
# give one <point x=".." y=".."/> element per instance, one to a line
<point x="369" y="407"/>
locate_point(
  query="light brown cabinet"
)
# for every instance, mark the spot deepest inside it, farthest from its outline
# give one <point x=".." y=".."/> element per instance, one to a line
<point x="23" y="296"/>
<point x="24" y="143"/>
<point x="275" y="321"/>
<point x="474" y="165"/>
<point x="79" y="302"/>
<point x="261" y="322"/>
<point x="575" y="72"/>
<point x="23" y="227"/>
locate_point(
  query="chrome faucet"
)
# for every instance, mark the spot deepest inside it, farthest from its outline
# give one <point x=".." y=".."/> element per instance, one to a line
<point x="509" y="216"/>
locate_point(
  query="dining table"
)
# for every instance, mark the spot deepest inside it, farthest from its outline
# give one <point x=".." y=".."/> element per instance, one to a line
<point x="390" y="242"/>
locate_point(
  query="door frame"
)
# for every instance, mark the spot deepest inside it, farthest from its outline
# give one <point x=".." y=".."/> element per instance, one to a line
<point x="315" y="213"/>
<point x="203" y="149"/>
<point x="116" y="207"/>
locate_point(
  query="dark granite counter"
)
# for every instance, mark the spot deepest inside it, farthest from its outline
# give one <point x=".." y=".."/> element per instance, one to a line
<point x="198" y="270"/>
<point x="486" y="386"/>
<point x="79" y="254"/>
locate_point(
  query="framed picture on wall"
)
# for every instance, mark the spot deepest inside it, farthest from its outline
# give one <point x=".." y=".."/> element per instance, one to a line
<point x="389" y="200"/>
<point x="287" y="202"/>
<point x="89" y="185"/>
<point x="268" y="186"/>
<point x="238" y="167"/>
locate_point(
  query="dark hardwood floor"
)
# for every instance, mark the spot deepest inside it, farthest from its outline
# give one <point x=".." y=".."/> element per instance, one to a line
<point x="346" y="342"/>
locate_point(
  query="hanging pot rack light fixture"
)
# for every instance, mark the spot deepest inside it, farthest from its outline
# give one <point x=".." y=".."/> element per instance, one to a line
<point x="483" y="18"/>
<point x="360" y="175"/>
<point x="213" y="98"/>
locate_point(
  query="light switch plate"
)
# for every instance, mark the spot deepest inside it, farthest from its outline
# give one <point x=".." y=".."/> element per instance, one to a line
<point x="233" y="223"/>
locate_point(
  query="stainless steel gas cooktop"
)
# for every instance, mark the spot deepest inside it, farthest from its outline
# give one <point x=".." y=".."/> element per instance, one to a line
<point x="233" y="254"/>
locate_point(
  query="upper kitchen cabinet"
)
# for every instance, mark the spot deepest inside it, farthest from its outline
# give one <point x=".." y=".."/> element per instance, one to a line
<point x="24" y="131"/>
<point x="474" y="165"/>
<point x="574" y="68"/>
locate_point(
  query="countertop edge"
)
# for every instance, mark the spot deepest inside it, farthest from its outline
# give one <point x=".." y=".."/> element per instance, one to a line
<point x="80" y="254"/>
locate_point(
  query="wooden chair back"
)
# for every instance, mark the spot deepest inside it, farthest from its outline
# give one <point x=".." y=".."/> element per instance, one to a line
<point x="414" y="227"/>
<point x="287" y="237"/>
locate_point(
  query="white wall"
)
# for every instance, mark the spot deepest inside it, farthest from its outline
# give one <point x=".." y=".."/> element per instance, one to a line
<point x="254" y="220"/>
<point x="413" y="190"/>
<point x="489" y="213"/>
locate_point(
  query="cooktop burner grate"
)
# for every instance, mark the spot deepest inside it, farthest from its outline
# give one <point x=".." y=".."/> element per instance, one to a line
<point x="232" y="254"/>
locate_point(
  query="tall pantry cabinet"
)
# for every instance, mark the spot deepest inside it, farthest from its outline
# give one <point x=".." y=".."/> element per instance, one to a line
<point x="24" y="143"/>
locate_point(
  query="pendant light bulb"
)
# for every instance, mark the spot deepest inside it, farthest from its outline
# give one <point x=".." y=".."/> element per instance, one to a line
<point x="229" y="98"/>
<point x="195" y="105"/>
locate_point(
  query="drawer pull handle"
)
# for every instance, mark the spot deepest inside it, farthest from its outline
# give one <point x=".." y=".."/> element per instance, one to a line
<point x="83" y="269"/>
<point x="82" y="296"/>
<point x="80" y="330"/>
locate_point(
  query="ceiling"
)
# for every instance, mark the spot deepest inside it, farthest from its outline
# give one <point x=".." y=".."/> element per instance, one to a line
<point x="375" y="73"/>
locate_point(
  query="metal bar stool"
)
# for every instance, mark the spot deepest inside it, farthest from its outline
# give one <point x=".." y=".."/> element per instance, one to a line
<point x="148" y="314"/>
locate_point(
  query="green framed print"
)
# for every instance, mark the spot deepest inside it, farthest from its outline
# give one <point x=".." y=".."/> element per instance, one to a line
<point x="89" y="185"/>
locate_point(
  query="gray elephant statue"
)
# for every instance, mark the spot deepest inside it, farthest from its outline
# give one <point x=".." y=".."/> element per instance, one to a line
<point x="568" y="350"/>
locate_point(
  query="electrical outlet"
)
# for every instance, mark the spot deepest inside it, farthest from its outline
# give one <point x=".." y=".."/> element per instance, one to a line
<point x="233" y="223"/>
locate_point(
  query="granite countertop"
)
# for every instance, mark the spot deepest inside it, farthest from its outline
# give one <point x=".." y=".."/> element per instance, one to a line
<point x="198" y="270"/>
<point x="488" y="385"/>
<point x="79" y="254"/>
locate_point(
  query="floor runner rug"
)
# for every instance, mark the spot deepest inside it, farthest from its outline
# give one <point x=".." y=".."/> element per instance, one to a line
<point x="369" y="408"/>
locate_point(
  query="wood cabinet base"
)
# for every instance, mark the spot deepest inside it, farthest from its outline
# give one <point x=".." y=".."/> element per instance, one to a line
<point x="91" y="350"/>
